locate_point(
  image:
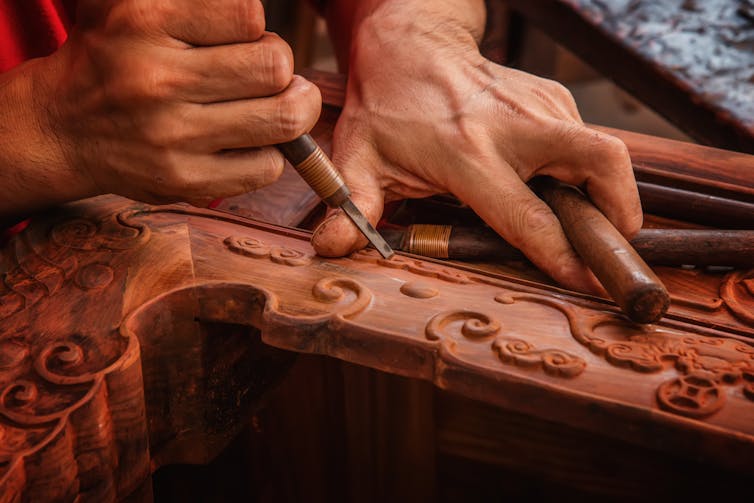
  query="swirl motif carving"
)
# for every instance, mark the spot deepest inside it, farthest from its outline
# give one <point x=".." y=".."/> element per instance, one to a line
<point x="555" y="362"/>
<point x="705" y="364"/>
<point x="76" y="233"/>
<point x="116" y="232"/>
<point x="55" y="375"/>
<point x="333" y="290"/>
<point x="737" y="291"/>
<point x="470" y="324"/>
<point x="252" y="247"/>
<point x="69" y="253"/>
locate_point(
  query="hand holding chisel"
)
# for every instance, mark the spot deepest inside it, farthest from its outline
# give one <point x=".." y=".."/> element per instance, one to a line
<point x="319" y="172"/>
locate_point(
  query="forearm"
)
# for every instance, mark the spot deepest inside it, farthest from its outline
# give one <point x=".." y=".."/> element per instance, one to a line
<point x="346" y="17"/>
<point x="33" y="169"/>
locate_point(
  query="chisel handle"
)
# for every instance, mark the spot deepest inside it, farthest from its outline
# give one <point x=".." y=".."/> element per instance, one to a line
<point x="316" y="169"/>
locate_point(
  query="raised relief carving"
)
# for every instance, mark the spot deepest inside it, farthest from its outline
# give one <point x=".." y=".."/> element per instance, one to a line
<point x="420" y="267"/>
<point x="554" y="362"/>
<point x="252" y="247"/>
<point x="419" y="290"/>
<point x="706" y="364"/>
<point x="469" y="324"/>
<point x="39" y="273"/>
<point x="61" y="399"/>
<point x="352" y="295"/>
<point x="737" y="291"/>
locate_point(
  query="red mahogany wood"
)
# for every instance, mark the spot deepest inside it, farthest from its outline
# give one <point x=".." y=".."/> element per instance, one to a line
<point x="107" y="303"/>
<point x="132" y="337"/>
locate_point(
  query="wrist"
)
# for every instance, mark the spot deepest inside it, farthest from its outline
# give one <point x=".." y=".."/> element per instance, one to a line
<point x="396" y="20"/>
<point x="32" y="158"/>
<point x="465" y="20"/>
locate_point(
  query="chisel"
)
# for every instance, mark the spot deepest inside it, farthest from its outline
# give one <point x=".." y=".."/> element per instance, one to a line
<point x="318" y="171"/>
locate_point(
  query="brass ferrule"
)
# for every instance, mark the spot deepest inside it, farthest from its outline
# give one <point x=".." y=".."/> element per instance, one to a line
<point x="320" y="174"/>
<point x="429" y="240"/>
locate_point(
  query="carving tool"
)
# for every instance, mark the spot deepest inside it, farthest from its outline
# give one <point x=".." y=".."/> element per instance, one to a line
<point x="627" y="278"/>
<point x="670" y="247"/>
<point x="319" y="172"/>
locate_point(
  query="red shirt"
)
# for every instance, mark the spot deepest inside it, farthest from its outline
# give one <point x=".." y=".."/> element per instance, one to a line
<point x="32" y="28"/>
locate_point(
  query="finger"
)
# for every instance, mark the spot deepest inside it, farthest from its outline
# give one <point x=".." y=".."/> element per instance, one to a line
<point x="601" y="164"/>
<point x="201" y="179"/>
<point x="337" y="235"/>
<point x="194" y="22"/>
<point x="237" y="71"/>
<point x="256" y="122"/>
<point x="502" y="200"/>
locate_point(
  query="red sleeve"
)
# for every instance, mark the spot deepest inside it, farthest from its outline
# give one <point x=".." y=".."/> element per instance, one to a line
<point x="32" y="28"/>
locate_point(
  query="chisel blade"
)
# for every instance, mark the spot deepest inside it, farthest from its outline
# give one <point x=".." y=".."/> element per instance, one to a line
<point x="366" y="228"/>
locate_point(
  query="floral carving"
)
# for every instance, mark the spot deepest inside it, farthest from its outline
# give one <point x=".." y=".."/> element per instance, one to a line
<point x="252" y="247"/>
<point x="554" y="361"/>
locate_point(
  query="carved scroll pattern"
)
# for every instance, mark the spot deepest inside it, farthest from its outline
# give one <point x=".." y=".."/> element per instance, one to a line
<point x="252" y="247"/>
<point x="62" y="400"/>
<point x="64" y="397"/>
<point x="69" y="253"/>
<point x="452" y="327"/>
<point x="706" y="364"/>
<point x="737" y="291"/>
<point x="334" y="290"/>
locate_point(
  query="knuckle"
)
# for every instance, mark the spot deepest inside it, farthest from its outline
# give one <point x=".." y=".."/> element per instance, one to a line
<point x="530" y="218"/>
<point x="613" y="146"/>
<point x="559" y="91"/>
<point x="296" y="114"/>
<point x="277" y="63"/>
<point x="271" y="165"/>
<point x="250" y="16"/>
<point x="139" y="15"/>
<point x="162" y="131"/>
<point x="135" y="81"/>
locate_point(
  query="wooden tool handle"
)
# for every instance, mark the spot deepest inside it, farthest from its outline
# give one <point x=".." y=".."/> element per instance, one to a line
<point x="620" y="269"/>
<point x="669" y="247"/>
<point x="316" y="169"/>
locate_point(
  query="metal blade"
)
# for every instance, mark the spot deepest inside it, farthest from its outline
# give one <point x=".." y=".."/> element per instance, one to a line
<point x="366" y="228"/>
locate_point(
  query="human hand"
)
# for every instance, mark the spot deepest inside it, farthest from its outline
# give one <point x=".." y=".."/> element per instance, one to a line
<point x="174" y="100"/>
<point x="425" y="113"/>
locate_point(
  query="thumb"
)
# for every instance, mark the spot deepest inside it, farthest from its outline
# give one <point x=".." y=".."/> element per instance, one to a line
<point x="337" y="235"/>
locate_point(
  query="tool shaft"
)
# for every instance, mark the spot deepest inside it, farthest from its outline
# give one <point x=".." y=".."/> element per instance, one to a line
<point x="627" y="278"/>
<point x="318" y="171"/>
<point x="670" y="247"/>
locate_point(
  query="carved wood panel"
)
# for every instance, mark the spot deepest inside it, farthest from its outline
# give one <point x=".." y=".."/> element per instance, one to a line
<point x="82" y="293"/>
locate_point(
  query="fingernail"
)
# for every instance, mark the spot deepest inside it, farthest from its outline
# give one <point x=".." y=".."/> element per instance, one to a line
<point x="328" y="220"/>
